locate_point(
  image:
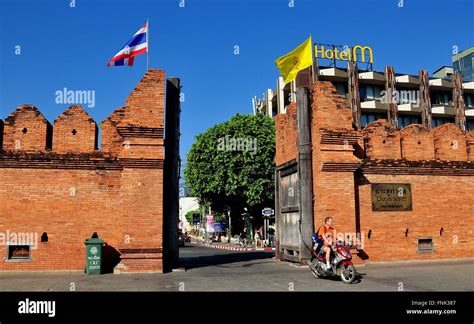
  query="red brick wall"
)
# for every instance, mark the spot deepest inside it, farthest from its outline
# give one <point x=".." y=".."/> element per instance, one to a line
<point x="329" y="108"/>
<point x="69" y="205"/>
<point x="470" y="146"/>
<point x="439" y="202"/>
<point x="74" y="131"/>
<point x="286" y="139"/>
<point x="333" y="191"/>
<point x="142" y="217"/>
<point x="346" y="162"/>
<point x="73" y="190"/>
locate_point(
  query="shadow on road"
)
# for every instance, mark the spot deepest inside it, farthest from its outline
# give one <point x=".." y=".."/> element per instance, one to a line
<point x="199" y="261"/>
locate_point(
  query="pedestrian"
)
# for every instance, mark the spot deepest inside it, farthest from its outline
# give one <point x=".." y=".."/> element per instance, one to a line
<point x="271" y="235"/>
<point x="257" y="238"/>
<point x="261" y="236"/>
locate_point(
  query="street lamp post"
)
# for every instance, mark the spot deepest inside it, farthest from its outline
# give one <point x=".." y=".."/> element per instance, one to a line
<point x="230" y="222"/>
<point x="205" y="224"/>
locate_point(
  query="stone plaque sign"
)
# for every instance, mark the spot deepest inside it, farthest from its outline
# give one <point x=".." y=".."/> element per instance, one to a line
<point x="391" y="197"/>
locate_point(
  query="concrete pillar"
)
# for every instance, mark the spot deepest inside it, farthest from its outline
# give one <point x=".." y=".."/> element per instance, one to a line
<point x="268" y="102"/>
<point x="293" y="91"/>
<point x="280" y="96"/>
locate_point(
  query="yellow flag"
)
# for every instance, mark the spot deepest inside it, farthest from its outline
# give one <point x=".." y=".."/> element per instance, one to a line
<point x="298" y="59"/>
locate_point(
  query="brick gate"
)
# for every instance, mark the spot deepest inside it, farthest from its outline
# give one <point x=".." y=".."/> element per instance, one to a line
<point x="57" y="186"/>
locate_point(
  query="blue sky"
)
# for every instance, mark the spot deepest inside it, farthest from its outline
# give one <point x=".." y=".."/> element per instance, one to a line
<point x="69" y="47"/>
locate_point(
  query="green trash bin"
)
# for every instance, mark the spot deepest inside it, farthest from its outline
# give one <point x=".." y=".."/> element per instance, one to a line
<point x="93" y="256"/>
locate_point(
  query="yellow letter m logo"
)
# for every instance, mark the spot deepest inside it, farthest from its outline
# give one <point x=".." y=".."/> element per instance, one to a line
<point x="362" y="51"/>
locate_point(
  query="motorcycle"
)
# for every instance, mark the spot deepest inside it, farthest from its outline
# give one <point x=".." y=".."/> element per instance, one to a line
<point x="340" y="261"/>
<point x="187" y="238"/>
<point x="242" y="241"/>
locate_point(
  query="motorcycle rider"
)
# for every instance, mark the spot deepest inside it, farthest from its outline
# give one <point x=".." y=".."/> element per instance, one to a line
<point x="326" y="236"/>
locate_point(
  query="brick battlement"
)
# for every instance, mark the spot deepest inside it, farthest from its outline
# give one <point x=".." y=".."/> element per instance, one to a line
<point x="75" y="131"/>
<point x="26" y="129"/>
<point x="415" y="142"/>
<point x="378" y="140"/>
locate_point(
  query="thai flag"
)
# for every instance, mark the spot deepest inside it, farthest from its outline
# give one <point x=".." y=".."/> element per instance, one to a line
<point x="137" y="45"/>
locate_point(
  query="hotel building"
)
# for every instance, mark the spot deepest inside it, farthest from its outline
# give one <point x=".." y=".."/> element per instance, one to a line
<point x="372" y="88"/>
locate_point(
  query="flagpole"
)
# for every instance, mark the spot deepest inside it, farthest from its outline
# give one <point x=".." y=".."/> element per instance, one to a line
<point x="147" y="42"/>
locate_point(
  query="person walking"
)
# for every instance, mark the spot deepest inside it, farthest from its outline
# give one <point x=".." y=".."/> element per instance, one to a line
<point x="257" y="238"/>
<point x="271" y="235"/>
<point x="261" y="236"/>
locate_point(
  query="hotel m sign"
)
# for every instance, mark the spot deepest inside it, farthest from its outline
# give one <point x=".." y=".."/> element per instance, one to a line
<point x="344" y="53"/>
<point x="391" y="197"/>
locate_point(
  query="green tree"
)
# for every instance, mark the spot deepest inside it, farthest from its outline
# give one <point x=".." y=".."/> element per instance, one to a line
<point x="232" y="165"/>
<point x="189" y="215"/>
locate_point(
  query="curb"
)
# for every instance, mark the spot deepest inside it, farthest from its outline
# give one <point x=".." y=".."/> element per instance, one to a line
<point x="232" y="248"/>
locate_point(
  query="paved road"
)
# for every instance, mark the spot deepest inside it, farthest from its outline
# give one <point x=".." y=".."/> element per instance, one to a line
<point x="206" y="269"/>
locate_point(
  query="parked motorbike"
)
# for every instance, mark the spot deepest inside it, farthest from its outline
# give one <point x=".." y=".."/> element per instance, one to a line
<point x="243" y="241"/>
<point x="340" y="261"/>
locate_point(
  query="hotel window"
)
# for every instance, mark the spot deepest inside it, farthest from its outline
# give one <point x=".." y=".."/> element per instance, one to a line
<point x="370" y="92"/>
<point x="469" y="100"/>
<point x="456" y="66"/>
<point x="341" y="88"/>
<point x="286" y="97"/>
<point x="438" y="121"/>
<point x="362" y="93"/>
<point x="367" y="118"/>
<point x="18" y="252"/>
<point x="404" y="121"/>
<point x="470" y="124"/>
<point x="441" y="98"/>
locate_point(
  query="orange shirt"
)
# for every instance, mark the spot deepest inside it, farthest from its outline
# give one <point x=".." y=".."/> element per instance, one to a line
<point x="326" y="232"/>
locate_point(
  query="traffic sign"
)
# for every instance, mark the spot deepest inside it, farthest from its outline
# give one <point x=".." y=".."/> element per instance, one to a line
<point x="268" y="212"/>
